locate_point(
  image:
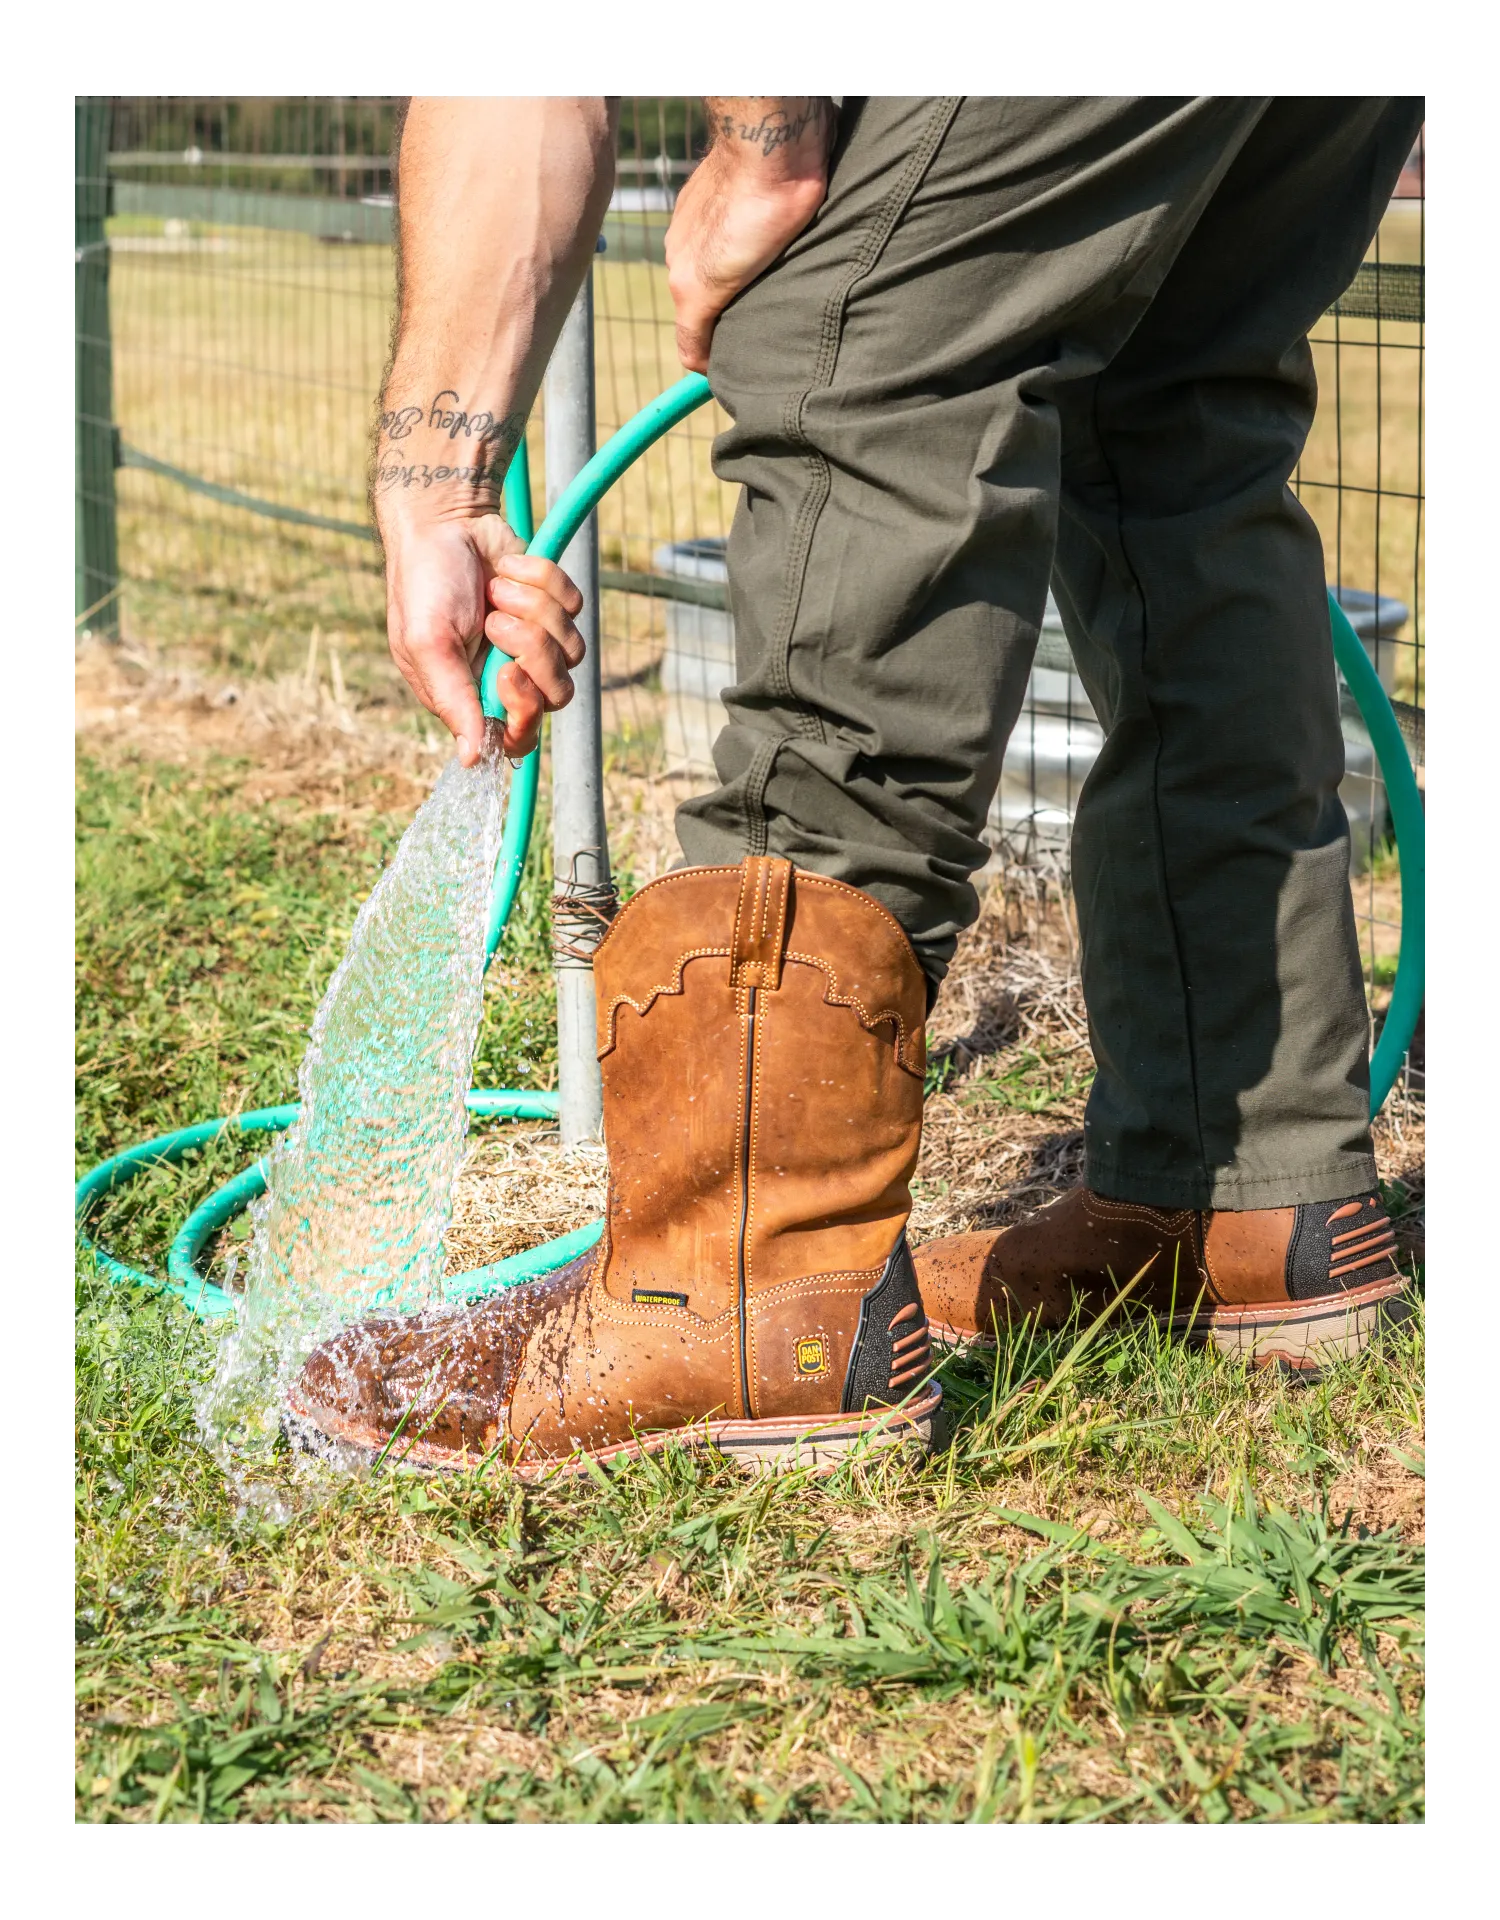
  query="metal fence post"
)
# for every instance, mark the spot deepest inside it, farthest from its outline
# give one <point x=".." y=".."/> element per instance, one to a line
<point x="580" y="851"/>
<point x="96" y="566"/>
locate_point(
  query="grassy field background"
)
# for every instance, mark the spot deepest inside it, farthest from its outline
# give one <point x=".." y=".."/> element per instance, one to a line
<point x="1362" y="475"/>
<point x="1132" y="1585"/>
<point x="252" y="359"/>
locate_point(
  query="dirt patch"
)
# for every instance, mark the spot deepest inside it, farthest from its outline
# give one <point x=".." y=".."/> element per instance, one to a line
<point x="314" y="738"/>
<point x="1384" y="1492"/>
<point x="307" y="736"/>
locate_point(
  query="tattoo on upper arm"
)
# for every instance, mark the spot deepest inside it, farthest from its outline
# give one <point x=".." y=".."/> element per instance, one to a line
<point x="489" y="444"/>
<point x="777" y="128"/>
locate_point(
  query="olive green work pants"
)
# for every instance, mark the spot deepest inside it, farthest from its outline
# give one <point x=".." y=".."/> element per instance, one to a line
<point x="1066" y="338"/>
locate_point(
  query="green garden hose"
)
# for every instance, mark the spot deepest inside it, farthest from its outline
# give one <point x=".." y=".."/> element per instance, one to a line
<point x="202" y="1296"/>
<point x="1410" y="822"/>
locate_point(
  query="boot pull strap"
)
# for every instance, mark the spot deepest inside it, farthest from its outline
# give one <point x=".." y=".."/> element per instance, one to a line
<point x="760" y="921"/>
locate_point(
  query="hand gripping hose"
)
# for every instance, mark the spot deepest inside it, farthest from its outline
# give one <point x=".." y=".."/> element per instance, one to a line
<point x="200" y="1295"/>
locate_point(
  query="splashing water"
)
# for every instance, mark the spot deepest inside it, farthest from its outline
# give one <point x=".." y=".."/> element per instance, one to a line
<point x="360" y="1188"/>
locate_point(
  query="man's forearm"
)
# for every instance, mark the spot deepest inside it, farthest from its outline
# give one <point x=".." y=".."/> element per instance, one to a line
<point x="500" y="204"/>
<point x="761" y="181"/>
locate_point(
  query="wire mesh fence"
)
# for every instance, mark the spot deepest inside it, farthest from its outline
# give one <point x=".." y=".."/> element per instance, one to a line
<point x="250" y="287"/>
<point x="1362" y="480"/>
<point x="234" y="292"/>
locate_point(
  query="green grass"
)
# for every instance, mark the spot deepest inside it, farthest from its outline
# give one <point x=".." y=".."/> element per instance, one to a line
<point x="1132" y="1585"/>
<point x="1032" y="1083"/>
<point x="676" y="1643"/>
<point x="207" y="931"/>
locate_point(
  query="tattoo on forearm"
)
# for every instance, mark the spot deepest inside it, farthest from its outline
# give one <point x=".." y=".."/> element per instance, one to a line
<point x="490" y="445"/>
<point x="398" y="474"/>
<point x="447" y="415"/>
<point x="779" y="128"/>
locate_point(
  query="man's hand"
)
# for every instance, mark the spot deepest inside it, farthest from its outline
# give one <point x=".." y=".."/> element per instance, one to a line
<point x="500" y="204"/>
<point x="453" y="585"/>
<point x="759" y="185"/>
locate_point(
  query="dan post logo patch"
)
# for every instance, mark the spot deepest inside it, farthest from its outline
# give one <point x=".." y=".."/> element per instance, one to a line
<point x="812" y="1354"/>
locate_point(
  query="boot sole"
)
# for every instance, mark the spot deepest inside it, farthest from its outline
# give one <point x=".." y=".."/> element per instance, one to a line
<point x="1295" y="1336"/>
<point x="755" y="1445"/>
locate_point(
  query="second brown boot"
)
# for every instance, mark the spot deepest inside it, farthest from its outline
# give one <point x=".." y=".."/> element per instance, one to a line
<point x="761" y="1035"/>
<point x="1292" y="1287"/>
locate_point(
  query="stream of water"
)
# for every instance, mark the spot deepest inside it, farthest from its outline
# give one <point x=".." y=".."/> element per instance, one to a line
<point x="360" y="1188"/>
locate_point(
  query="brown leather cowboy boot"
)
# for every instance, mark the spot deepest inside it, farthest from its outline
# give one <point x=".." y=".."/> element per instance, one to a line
<point x="1293" y="1287"/>
<point x="762" y="1040"/>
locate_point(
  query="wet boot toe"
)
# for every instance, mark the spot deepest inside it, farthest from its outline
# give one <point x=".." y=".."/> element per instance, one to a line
<point x="437" y="1384"/>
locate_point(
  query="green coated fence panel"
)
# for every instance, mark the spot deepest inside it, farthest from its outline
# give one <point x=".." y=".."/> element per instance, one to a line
<point x="325" y="216"/>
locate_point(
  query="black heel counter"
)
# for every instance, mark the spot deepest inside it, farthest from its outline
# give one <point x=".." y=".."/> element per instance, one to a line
<point x="1337" y="1245"/>
<point x="892" y="1352"/>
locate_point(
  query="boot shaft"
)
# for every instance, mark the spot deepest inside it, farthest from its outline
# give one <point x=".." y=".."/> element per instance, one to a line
<point x="761" y="1039"/>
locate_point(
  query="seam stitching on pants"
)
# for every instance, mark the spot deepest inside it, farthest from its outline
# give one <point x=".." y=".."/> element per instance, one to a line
<point x="877" y="235"/>
<point x="757" y="832"/>
<point x="1140" y="593"/>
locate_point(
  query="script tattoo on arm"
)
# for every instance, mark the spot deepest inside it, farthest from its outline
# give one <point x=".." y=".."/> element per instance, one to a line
<point x="779" y="127"/>
<point x="482" y="459"/>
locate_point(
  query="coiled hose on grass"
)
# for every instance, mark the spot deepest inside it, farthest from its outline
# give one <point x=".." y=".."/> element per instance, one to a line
<point x="201" y="1296"/>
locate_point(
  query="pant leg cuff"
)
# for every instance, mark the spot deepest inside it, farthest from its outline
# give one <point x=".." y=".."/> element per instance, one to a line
<point x="1343" y="1178"/>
